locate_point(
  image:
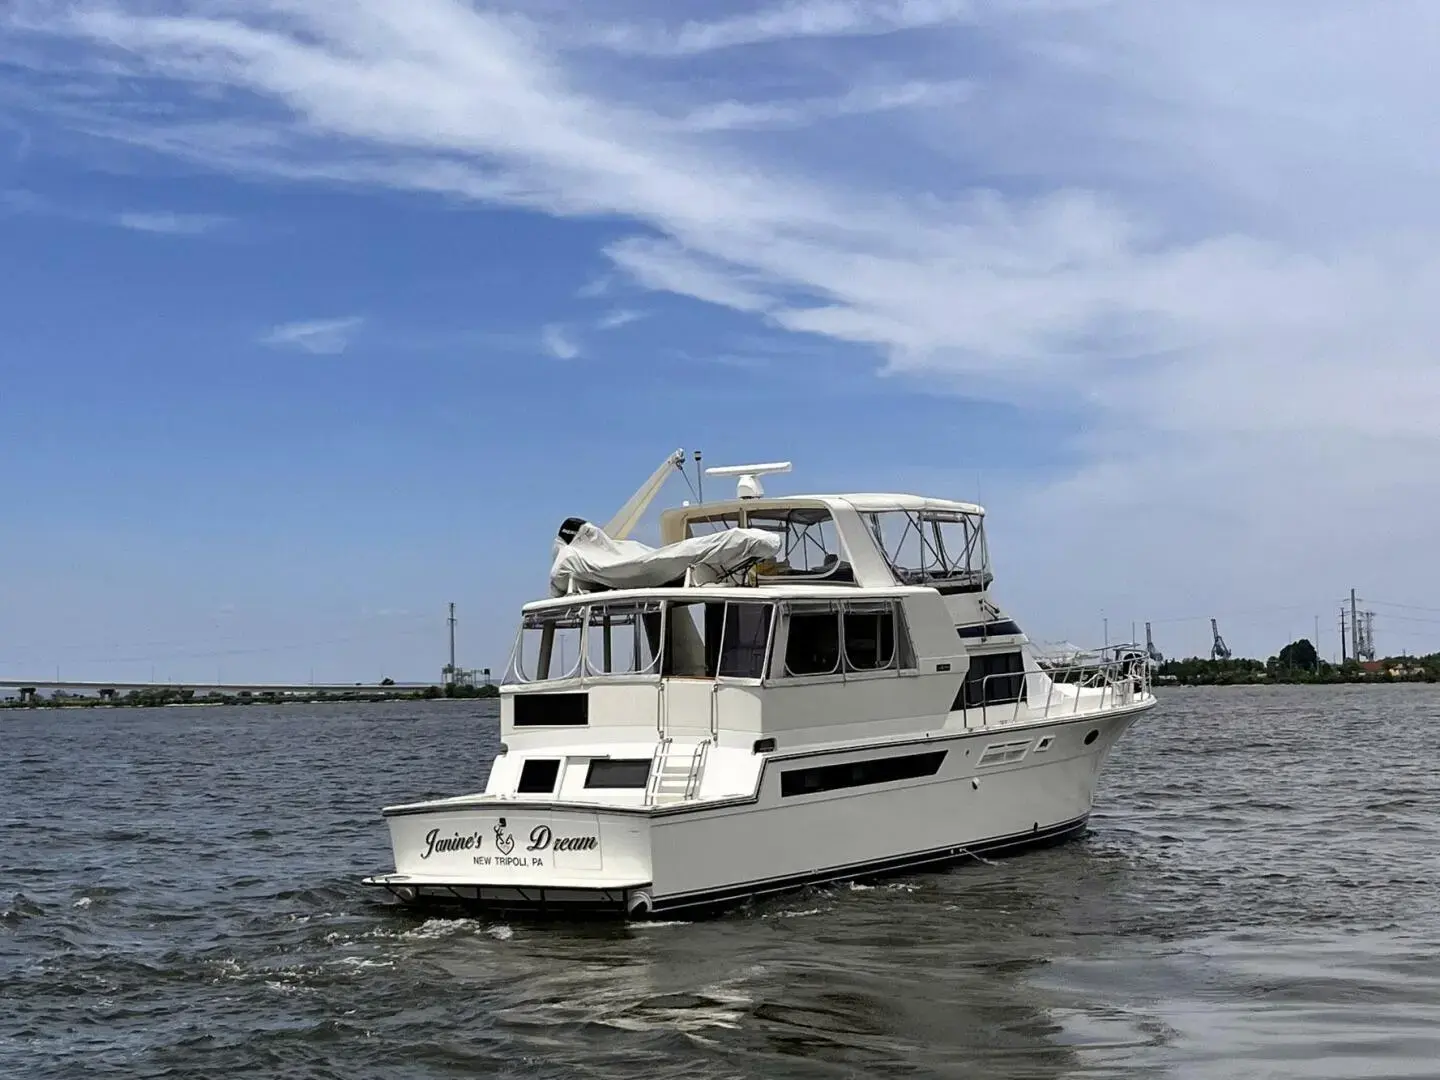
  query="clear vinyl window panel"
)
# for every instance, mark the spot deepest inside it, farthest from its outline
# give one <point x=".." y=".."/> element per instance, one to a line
<point x="548" y="646"/>
<point x="623" y="639"/>
<point x="926" y="547"/>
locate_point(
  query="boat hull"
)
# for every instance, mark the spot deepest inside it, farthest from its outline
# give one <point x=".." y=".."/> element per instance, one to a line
<point x="995" y="791"/>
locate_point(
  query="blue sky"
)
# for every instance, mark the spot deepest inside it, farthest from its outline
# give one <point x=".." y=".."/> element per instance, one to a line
<point x="318" y="315"/>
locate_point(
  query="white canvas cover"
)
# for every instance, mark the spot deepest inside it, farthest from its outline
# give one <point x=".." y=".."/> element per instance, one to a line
<point x="592" y="560"/>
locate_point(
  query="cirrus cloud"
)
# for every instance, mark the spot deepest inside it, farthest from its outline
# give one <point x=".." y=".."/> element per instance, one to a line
<point x="1203" y="230"/>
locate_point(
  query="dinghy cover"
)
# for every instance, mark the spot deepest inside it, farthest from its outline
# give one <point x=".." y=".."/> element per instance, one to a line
<point x="592" y="561"/>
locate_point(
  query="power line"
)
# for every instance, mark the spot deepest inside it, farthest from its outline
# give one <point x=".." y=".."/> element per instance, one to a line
<point x="1235" y="614"/>
<point x="1407" y="607"/>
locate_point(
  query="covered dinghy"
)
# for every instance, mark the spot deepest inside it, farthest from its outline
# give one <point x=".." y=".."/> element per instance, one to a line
<point x="586" y="559"/>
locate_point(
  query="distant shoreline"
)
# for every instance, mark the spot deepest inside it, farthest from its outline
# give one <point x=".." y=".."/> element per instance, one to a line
<point x="178" y="697"/>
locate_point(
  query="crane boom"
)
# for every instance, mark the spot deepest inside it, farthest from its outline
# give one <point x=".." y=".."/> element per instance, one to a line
<point x="629" y="515"/>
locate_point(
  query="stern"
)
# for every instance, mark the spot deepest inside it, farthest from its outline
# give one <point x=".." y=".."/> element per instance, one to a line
<point x="490" y="854"/>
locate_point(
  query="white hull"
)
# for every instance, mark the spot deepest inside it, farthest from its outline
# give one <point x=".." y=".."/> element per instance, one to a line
<point x="996" y="789"/>
<point x="788" y="691"/>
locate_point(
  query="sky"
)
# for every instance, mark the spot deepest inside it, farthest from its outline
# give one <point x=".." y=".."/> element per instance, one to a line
<point x="318" y="315"/>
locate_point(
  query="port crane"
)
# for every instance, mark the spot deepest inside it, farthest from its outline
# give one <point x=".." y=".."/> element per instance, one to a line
<point x="1218" y="649"/>
<point x="1156" y="656"/>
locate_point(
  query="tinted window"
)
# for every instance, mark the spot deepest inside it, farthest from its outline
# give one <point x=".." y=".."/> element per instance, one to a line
<point x="860" y="773"/>
<point x="742" y="645"/>
<point x="996" y="679"/>
<point x="869" y="636"/>
<point x="618" y="773"/>
<point x="813" y="646"/>
<point x="552" y="710"/>
<point x="537" y="776"/>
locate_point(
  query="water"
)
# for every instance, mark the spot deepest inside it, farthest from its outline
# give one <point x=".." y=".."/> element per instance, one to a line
<point x="1258" y="897"/>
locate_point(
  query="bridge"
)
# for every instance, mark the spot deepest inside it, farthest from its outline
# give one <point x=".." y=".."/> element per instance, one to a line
<point x="28" y="688"/>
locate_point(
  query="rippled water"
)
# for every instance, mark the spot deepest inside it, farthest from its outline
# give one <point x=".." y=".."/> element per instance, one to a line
<point x="1257" y="897"/>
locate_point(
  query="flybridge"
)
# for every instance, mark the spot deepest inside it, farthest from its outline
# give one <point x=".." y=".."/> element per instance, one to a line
<point x="867" y="540"/>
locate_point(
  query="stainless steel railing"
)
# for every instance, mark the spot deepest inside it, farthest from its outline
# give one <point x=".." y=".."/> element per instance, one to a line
<point x="1097" y="685"/>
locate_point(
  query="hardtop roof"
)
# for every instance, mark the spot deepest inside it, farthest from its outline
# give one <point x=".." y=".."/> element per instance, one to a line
<point x="863" y="502"/>
<point x="758" y="593"/>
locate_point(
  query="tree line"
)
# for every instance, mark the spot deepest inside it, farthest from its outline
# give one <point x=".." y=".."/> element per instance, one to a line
<point x="1298" y="662"/>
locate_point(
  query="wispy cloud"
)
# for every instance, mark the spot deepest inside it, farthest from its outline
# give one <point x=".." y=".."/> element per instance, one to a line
<point x="168" y="223"/>
<point x="800" y="19"/>
<point x="559" y="343"/>
<point x="613" y="320"/>
<point x="162" y="222"/>
<point x="667" y="266"/>
<point x="860" y="101"/>
<point x="322" y="337"/>
<point x="598" y="286"/>
<point x="1143" y="215"/>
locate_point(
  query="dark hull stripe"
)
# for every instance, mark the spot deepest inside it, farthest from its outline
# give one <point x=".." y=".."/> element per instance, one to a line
<point x="612" y="901"/>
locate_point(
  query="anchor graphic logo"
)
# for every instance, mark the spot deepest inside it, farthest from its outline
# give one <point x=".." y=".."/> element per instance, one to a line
<point x="503" y="840"/>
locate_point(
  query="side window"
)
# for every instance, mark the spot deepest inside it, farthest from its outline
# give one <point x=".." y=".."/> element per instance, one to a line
<point x="869" y="635"/>
<point x="813" y="645"/>
<point x="992" y="679"/>
<point x="685" y="640"/>
<point x="622" y="639"/>
<point x="744" y="639"/>
<point x="537" y="776"/>
<point x="549" y="646"/>
<point x="618" y="773"/>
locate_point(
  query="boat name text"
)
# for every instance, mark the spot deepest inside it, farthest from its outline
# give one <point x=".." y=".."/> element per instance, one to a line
<point x="542" y="839"/>
<point x="435" y="843"/>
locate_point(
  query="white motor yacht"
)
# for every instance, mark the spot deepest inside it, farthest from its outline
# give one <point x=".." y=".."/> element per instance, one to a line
<point x="787" y="691"/>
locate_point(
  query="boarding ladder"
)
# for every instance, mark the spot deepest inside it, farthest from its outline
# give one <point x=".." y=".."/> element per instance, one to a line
<point x="676" y="771"/>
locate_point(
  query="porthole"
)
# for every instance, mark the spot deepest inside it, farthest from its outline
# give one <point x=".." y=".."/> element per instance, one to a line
<point x="1091" y="737"/>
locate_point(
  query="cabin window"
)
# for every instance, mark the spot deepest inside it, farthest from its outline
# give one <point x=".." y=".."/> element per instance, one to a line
<point x="537" y="776"/>
<point x="688" y="630"/>
<point x="744" y="639"/>
<point x="548" y="646"/>
<point x="810" y="544"/>
<point x="623" y="639"/>
<point x="550" y="710"/>
<point x="812" y="645"/>
<point x="727" y="638"/>
<point x="618" y="773"/>
<point x="933" y="547"/>
<point x="860" y="773"/>
<point x="992" y="679"/>
<point x="869" y="634"/>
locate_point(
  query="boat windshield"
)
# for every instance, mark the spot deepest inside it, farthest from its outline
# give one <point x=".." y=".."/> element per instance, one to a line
<point x="925" y="547"/>
<point x="679" y="638"/>
<point x="810" y="545"/>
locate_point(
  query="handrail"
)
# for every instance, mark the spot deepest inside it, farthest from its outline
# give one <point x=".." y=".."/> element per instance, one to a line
<point x="1120" y="682"/>
<point x="657" y="767"/>
<point x="697" y="768"/>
